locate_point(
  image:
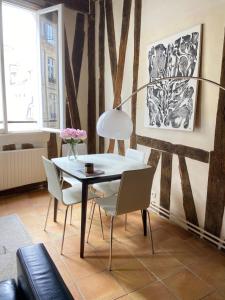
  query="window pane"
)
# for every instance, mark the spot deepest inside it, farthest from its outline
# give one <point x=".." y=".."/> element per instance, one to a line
<point x="49" y="69"/>
<point x="20" y="58"/>
<point x="1" y="69"/>
<point x="1" y="107"/>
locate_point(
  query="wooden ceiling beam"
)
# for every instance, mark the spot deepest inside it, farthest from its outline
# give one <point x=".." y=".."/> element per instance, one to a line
<point x="80" y="5"/>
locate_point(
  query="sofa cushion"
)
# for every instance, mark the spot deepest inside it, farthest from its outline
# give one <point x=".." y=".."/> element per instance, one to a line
<point x="8" y="290"/>
<point x="38" y="277"/>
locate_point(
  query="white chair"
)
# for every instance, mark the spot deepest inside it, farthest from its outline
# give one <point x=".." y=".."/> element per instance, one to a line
<point x="67" y="197"/>
<point x="106" y="189"/>
<point x="81" y="150"/>
<point x="135" y="184"/>
<point x="112" y="187"/>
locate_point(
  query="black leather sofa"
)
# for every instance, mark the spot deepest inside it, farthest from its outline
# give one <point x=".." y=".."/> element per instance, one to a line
<point x="37" y="277"/>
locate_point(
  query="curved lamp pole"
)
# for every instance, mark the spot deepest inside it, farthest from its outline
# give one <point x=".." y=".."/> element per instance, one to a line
<point x="116" y="124"/>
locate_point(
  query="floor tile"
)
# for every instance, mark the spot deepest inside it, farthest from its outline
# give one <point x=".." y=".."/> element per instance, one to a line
<point x="80" y="268"/>
<point x="186" y="286"/>
<point x="214" y="296"/>
<point x="132" y="275"/>
<point x="180" y="258"/>
<point x="212" y="271"/>
<point x="155" y="290"/>
<point x="100" y="286"/>
<point x="162" y="265"/>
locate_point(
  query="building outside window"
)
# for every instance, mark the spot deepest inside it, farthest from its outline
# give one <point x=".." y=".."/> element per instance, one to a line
<point x="51" y="70"/>
<point x="28" y="82"/>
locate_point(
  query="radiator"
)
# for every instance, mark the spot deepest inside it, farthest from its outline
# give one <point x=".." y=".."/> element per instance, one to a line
<point x="21" y="167"/>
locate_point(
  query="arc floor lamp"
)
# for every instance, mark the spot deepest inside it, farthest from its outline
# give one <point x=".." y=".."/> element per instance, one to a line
<point x="116" y="124"/>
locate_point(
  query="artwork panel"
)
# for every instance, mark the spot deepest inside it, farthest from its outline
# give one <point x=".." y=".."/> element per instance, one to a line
<point x="171" y="104"/>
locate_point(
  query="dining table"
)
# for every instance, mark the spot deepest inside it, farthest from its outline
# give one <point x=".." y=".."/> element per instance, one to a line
<point x="107" y="167"/>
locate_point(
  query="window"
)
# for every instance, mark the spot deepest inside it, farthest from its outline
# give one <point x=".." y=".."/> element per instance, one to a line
<point x="31" y="86"/>
<point x="51" y="70"/>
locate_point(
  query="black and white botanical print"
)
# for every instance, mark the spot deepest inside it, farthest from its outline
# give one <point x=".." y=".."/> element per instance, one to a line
<point x="171" y="103"/>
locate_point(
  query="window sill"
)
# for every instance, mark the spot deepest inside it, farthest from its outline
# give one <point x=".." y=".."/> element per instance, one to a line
<point x="38" y="138"/>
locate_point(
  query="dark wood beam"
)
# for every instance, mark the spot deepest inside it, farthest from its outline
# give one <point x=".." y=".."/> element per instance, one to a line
<point x="52" y="146"/>
<point x="186" y="151"/>
<point x="112" y="50"/>
<point x="165" y="182"/>
<point x="153" y="159"/>
<point x="78" y="49"/>
<point x="73" y="111"/>
<point x="111" y="39"/>
<point x="137" y="36"/>
<point x="121" y="60"/>
<point x="101" y="59"/>
<point x="91" y="81"/>
<point x="216" y="180"/>
<point x="188" y="199"/>
<point x="80" y="5"/>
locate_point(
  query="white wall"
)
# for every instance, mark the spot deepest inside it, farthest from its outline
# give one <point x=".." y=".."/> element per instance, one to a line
<point x="161" y="19"/>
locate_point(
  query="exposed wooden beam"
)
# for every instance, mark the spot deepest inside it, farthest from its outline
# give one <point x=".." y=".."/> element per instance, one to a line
<point x="111" y="39"/>
<point x="112" y="50"/>
<point x="188" y="199"/>
<point x="216" y="180"/>
<point x="9" y="147"/>
<point x="153" y="159"/>
<point x="73" y="111"/>
<point x="137" y="36"/>
<point x="80" y="5"/>
<point x="91" y="81"/>
<point x="101" y="59"/>
<point x="190" y="152"/>
<point x="121" y="60"/>
<point x="78" y="49"/>
<point x="52" y="146"/>
<point x="165" y="182"/>
<point x="77" y="56"/>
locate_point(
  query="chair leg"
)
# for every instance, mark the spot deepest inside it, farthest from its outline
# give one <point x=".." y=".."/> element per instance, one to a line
<point x="150" y="232"/>
<point x="100" y="215"/>
<point x="125" y="223"/>
<point x="92" y="203"/>
<point x="92" y="215"/>
<point x="71" y="214"/>
<point x="49" y="204"/>
<point x="111" y="239"/>
<point x="64" y="229"/>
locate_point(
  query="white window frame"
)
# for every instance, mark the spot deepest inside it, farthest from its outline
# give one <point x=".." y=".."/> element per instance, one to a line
<point x="61" y="70"/>
<point x="2" y="76"/>
<point x="61" y="64"/>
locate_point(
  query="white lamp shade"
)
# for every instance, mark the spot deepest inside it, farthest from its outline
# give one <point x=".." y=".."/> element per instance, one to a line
<point x="115" y="124"/>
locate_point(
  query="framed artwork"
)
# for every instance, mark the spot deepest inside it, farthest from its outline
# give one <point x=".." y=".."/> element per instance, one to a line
<point x="171" y="103"/>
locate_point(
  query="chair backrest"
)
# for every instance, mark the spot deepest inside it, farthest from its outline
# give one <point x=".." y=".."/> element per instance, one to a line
<point x="54" y="187"/>
<point x="81" y="149"/>
<point x="134" y="191"/>
<point x="135" y="155"/>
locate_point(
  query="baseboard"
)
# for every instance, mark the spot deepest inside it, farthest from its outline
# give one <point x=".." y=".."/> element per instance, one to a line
<point x="24" y="188"/>
<point x="202" y="233"/>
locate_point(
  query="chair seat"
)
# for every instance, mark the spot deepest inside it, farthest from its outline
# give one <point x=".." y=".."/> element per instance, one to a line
<point x="73" y="195"/>
<point x="108" y="204"/>
<point x="107" y="188"/>
<point x="71" y="180"/>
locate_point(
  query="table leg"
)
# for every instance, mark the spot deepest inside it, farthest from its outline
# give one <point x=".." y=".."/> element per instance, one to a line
<point x="83" y="217"/>
<point x="55" y="209"/>
<point x="144" y="220"/>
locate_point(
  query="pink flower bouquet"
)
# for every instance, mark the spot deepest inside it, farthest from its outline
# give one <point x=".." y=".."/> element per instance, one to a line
<point x="73" y="136"/>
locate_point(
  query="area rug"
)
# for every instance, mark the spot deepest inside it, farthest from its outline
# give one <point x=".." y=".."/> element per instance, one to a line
<point x="13" y="235"/>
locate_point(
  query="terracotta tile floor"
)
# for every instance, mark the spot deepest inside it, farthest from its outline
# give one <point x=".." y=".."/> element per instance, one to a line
<point x="184" y="267"/>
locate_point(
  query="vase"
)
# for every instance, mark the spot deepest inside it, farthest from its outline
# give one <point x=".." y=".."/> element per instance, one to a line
<point x="72" y="152"/>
